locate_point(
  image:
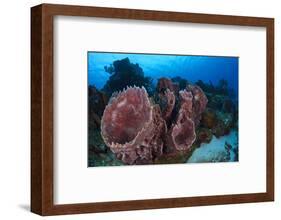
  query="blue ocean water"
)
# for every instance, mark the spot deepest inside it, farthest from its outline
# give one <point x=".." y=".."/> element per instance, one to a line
<point x="193" y="68"/>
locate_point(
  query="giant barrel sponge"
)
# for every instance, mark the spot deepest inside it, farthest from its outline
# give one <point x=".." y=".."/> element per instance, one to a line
<point x="132" y="127"/>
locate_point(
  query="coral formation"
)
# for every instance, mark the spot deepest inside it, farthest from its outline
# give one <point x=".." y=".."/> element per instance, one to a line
<point x="96" y="104"/>
<point x="204" y="135"/>
<point x="220" y="89"/>
<point x="221" y="114"/>
<point x="182" y="83"/>
<point x="224" y="124"/>
<point x="209" y="118"/>
<point x="123" y="73"/>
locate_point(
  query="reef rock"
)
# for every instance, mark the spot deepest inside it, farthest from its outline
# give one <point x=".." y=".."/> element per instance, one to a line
<point x="96" y="104"/>
<point x="132" y="127"/>
<point x="224" y="124"/>
<point x="209" y="118"/>
<point x="204" y="135"/>
<point x="228" y="106"/>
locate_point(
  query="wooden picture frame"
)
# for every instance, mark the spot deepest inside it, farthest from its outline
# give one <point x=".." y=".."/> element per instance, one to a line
<point x="42" y="154"/>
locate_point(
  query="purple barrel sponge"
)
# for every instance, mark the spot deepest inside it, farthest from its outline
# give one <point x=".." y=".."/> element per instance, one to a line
<point x="200" y="102"/>
<point x="170" y="99"/>
<point x="132" y="127"/>
<point x="135" y="129"/>
<point x="165" y="83"/>
<point x="182" y="135"/>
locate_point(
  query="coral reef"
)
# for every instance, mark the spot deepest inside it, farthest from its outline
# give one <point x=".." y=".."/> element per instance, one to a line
<point x="169" y="123"/>
<point x="123" y="73"/>
<point x="221" y="114"/>
<point x="220" y="89"/>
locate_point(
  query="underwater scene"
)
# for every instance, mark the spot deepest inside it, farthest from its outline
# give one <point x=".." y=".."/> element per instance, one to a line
<point x="161" y="109"/>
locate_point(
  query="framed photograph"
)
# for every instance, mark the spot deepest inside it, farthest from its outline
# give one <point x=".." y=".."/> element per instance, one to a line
<point x="139" y="109"/>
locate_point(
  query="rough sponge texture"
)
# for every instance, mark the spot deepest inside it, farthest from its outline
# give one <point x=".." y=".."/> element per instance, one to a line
<point x="169" y="98"/>
<point x="200" y="102"/>
<point x="165" y="83"/>
<point x="137" y="131"/>
<point x="182" y="135"/>
<point x="132" y="127"/>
